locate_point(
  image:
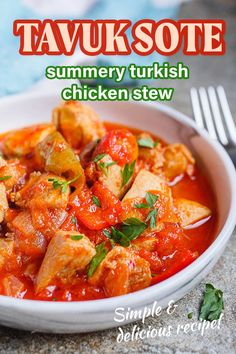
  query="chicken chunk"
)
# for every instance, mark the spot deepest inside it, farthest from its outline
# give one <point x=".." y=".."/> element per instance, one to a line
<point x="147" y="181"/>
<point x="64" y="257"/>
<point x="55" y="155"/>
<point x="16" y="173"/>
<point x="3" y="201"/>
<point x="40" y="193"/>
<point x="190" y="211"/>
<point x="112" y="176"/>
<point x="78" y="123"/>
<point x="151" y="154"/>
<point x="6" y="250"/>
<point x="23" y="141"/>
<point x="28" y="240"/>
<point x="167" y="161"/>
<point x="177" y="160"/>
<point x="122" y="272"/>
<point x="12" y="286"/>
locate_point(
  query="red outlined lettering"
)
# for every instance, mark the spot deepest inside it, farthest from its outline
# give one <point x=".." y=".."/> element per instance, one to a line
<point x="108" y="37"/>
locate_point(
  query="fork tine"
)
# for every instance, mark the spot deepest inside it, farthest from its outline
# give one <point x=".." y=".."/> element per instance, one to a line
<point x="196" y="108"/>
<point x="217" y="116"/>
<point x="207" y="113"/>
<point x="227" y="113"/>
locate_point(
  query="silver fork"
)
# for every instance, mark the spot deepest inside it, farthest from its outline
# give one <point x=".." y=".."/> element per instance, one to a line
<point x="211" y="111"/>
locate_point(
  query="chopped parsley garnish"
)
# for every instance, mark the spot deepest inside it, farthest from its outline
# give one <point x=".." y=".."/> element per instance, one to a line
<point x="76" y="237"/>
<point x="101" y="253"/>
<point x="152" y="215"/>
<point x="147" y="142"/>
<point x="151" y="199"/>
<point x="119" y="237"/>
<point x="4" y="178"/>
<point x="98" y="157"/>
<point x="133" y="227"/>
<point x="104" y="166"/>
<point x="96" y="201"/>
<point x="130" y="229"/>
<point x="213" y="304"/>
<point x="108" y="235"/>
<point x="63" y="185"/>
<point x="73" y="220"/>
<point x="127" y="172"/>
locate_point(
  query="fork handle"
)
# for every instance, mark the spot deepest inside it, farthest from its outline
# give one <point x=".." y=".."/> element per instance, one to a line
<point x="232" y="154"/>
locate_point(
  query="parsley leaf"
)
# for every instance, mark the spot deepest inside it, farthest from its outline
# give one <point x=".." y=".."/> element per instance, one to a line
<point x="98" y="157"/>
<point x="109" y="236"/>
<point x="73" y="220"/>
<point x="151" y="199"/>
<point x="101" y="253"/>
<point x="133" y="227"/>
<point x="104" y="166"/>
<point x="130" y="229"/>
<point x="152" y="215"/>
<point x="4" y="178"/>
<point x="141" y="206"/>
<point x="63" y="185"/>
<point x="190" y="315"/>
<point x="119" y="237"/>
<point x="127" y="172"/>
<point x="212" y="305"/>
<point x="96" y="201"/>
<point x="76" y="237"/>
<point x="147" y="142"/>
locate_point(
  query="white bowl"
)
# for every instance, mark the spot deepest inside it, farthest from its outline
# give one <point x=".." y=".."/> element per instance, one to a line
<point x="172" y="126"/>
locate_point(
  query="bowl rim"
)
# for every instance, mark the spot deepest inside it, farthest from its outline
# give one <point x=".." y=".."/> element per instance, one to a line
<point x="108" y="304"/>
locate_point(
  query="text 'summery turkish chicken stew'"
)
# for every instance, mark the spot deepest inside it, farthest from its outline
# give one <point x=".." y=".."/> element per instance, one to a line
<point x="90" y="210"/>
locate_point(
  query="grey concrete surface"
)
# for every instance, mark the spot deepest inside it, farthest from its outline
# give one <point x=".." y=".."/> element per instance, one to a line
<point x="204" y="71"/>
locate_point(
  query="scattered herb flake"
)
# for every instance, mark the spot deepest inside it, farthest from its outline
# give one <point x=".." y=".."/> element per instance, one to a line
<point x="152" y="215"/>
<point x="74" y="220"/>
<point x="151" y="199"/>
<point x="127" y="172"/>
<point x="101" y="253"/>
<point x="109" y="236"/>
<point x="76" y="237"/>
<point x="147" y="142"/>
<point x="213" y="304"/>
<point x="104" y="166"/>
<point x="54" y="299"/>
<point x="4" y="178"/>
<point x="98" y="157"/>
<point x="190" y="315"/>
<point x="132" y="228"/>
<point x="141" y="206"/>
<point x="63" y="185"/>
<point x="96" y="201"/>
<point x="119" y="237"/>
